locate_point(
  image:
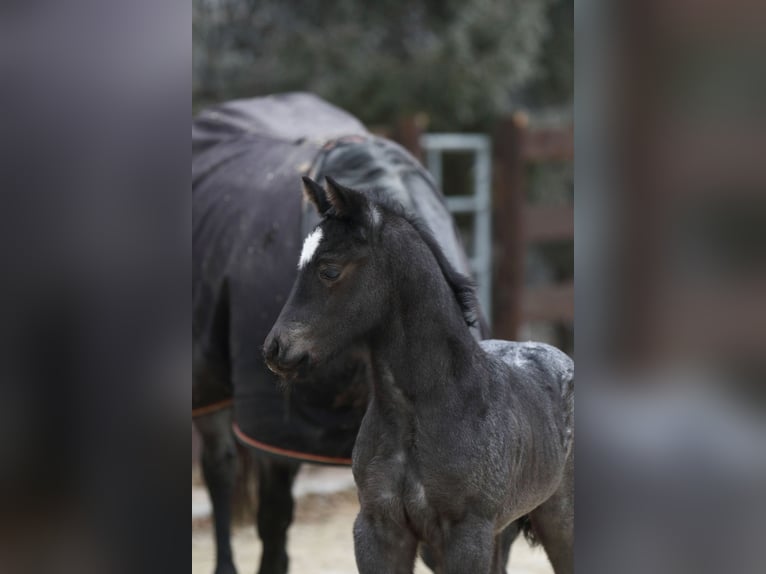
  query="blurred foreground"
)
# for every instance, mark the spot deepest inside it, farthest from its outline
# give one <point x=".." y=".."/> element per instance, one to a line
<point x="670" y="308"/>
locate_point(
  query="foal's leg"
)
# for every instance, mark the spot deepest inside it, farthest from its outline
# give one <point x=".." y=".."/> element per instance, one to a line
<point x="427" y="555"/>
<point x="219" y="468"/>
<point x="383" y="547"/>
<point x="503" y="542"/>
<point x="500" y="555"/>
<point x="275" y="510"/>
<point x="469" y="546"/>
<point x="553" y="524"/>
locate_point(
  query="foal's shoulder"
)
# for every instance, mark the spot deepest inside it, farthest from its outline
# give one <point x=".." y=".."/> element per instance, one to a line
<point x="530" y="356"/>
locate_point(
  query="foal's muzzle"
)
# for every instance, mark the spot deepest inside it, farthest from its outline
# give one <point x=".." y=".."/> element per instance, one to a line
<point x="284" y="355"/>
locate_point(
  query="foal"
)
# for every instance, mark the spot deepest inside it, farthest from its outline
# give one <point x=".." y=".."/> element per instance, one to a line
<point x="459" y="438"/>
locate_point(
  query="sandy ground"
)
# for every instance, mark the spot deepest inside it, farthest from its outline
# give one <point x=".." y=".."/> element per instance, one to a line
<point x="320" y="538"/>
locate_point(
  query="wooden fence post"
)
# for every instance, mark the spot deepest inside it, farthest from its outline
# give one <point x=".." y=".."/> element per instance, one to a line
<point x="509" y="249"/>
<point x="407" y="133"/>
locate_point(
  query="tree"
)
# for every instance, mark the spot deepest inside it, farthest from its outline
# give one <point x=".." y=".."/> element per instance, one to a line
<point x="460" y="62"/>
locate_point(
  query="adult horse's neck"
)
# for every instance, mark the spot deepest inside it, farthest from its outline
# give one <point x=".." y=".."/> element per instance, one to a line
<point x="424" y="350"/>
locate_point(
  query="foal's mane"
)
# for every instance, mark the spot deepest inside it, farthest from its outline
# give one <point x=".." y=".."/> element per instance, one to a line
<point x="462" y="287"/>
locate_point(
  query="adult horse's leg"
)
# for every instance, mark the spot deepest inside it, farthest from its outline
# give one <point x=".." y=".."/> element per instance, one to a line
<point x="219" y="468"/>
<point x="553" y="523"/>
<point x="275" y="510"/>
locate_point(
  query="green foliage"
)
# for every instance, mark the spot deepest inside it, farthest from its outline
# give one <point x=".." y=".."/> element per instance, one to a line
<point x="460" y="62"/>
<point x="555" y="84"/>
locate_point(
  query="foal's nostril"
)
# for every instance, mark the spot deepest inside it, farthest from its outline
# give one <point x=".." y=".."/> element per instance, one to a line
<point x="272" y="349"/>
<point x="282" y="357"/>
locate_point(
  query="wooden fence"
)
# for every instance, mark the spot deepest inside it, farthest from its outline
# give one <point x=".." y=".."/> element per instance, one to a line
<point x="516" y="224"/>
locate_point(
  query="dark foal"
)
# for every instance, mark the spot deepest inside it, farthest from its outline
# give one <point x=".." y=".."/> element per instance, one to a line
<point x="460" y="438"/>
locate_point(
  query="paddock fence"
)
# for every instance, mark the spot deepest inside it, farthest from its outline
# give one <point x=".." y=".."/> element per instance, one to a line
<point x="513" y="223"/>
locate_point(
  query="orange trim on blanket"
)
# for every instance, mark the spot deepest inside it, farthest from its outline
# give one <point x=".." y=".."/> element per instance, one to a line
<point x="288" y="453"/>
<point x="212" y="408"/>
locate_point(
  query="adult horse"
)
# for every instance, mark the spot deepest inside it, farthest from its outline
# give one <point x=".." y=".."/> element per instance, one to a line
<point x="248" y="224"/>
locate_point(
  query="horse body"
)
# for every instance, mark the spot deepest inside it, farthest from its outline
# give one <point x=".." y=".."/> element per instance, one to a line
<point x="459" y="438"/>
<point x="248" y="224"/>
<point x="431" y="454"/>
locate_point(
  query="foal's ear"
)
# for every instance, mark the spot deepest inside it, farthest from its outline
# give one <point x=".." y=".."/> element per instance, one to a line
<point x="316" y="194"/>
<point x="347" y="203"/>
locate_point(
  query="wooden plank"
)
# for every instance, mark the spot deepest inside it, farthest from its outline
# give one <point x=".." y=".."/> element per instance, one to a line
<point x="549" y="223"/>
<point x="508" y="246"/>
<point x="408" y="132"/>
<point x="550" y="303"/>
<point x="548" y="145"/>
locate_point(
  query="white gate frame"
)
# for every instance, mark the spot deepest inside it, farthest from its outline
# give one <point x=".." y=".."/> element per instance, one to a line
<point x="479" y="203"/>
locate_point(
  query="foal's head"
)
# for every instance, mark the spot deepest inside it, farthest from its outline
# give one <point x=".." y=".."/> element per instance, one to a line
<point x="356" y="265"/>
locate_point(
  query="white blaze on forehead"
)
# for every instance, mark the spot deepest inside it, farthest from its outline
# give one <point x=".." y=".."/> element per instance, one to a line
<point x="310" y="247"/>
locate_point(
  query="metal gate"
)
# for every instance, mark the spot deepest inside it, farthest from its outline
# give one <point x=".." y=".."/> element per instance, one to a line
<point x="478" y="204"/>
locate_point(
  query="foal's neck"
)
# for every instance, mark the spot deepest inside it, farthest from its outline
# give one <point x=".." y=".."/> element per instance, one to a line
<point x="426" y="351"/>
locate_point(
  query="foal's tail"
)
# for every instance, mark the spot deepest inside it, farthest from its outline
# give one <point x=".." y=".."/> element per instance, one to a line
<point x="525" y="525"/>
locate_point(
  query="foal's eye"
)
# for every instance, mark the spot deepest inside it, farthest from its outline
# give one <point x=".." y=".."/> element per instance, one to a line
<point x="329" y="273"/>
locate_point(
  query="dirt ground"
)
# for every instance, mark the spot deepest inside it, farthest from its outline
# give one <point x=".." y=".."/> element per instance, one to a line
<point x="321" y="542"/>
